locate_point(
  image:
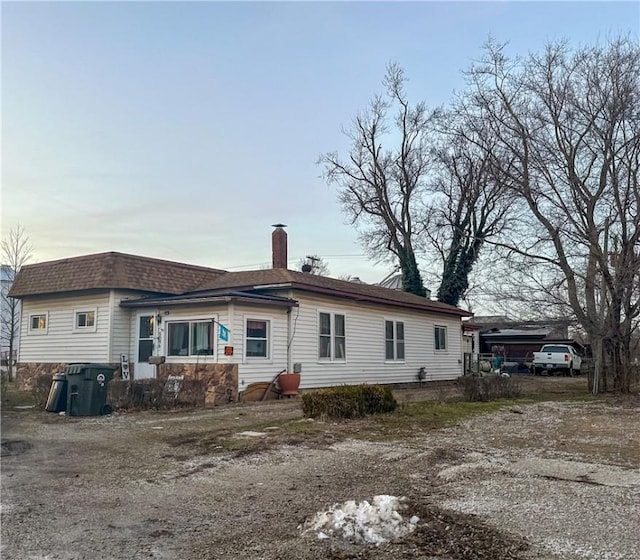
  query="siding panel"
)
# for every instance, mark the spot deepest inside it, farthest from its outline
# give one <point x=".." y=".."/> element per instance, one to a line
<point x="365" y="354"/>
<point x="251" y="370"/>
<point x="61" y="343"/>
<point x="120" y="326"/>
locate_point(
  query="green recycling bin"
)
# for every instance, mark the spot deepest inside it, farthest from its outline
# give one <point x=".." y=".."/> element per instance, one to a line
<point x="87" y="389"/>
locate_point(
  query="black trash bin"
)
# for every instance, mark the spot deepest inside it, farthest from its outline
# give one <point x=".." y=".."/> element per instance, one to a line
<point x="57" y="400"/>
<point x="87" y="389"/>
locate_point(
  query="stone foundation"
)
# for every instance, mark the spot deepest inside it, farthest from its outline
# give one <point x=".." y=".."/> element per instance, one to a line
<point x="221" y="379"/>
<point x="27" y="372"/>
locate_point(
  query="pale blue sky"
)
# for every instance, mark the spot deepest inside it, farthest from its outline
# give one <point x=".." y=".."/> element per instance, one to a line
<point x="184" y="130"/>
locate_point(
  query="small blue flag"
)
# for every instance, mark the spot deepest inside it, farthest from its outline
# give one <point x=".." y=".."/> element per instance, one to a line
<point x="223" y="333"/>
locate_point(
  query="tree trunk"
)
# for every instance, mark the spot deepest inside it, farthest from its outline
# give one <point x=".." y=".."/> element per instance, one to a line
<point x="10" y="361"/>
<point x="619" y="366"/>
<point x="411" y="279"/>
<point x="14" y="326"/>
<point x="596" y="374"/>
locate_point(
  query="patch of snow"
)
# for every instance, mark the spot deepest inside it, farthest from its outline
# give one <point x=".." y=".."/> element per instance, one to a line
<point x="250" y="433"/>
<point x="371" y="523"/>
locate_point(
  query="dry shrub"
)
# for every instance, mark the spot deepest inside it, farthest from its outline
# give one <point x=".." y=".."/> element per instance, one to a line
<point x="489" y="388"/>
<point x="349" y="401"/>
<point x="148" y="394"/>
<point x="41" y="388"/>
<point x="4" y="386"/>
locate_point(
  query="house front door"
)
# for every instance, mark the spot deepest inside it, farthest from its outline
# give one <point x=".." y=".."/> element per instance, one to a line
<point x="146" y="330"/>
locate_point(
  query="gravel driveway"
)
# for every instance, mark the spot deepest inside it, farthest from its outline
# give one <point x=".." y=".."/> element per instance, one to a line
<point x="546" y="481"/>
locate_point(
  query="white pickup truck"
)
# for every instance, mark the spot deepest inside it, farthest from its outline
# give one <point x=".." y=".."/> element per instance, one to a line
<point x="556" y="358"/>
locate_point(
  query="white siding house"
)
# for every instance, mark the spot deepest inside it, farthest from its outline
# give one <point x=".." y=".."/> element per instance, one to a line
<point x="231" y="328"/>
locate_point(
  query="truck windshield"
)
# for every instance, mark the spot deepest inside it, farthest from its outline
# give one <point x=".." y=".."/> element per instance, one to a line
<point x="550" y="348"/>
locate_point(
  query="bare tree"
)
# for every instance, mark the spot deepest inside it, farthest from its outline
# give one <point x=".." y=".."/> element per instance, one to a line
<point x="436" y="192"/>
<point x="16" y="251"/>
<point x="470" y="203"/>
<point x="381" y="188"/>
<point x="314" y="264"/>
<point x="568" y="124"/>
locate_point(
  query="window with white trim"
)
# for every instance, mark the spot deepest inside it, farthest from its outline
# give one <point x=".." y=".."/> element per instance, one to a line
<point x="38" y="323"/>
<point x="394" y="340"/>
<point x="84" y="320"/>
<point x="190" y="338"/>
<point x="332" y="336"/>
<point x="440" y="338"/>
<point x="257" y="338"/>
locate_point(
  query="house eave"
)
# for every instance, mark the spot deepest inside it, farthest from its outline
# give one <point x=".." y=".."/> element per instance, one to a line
<point x="211" y="300"/>
<point x="427" y="306"/>
<point x="381" y="301"/>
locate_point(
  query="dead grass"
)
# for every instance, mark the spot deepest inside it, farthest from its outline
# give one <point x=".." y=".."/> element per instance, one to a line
<point x="411" y="420"/>
<point x="599" y="436"/>
<point x="12" y="397"/>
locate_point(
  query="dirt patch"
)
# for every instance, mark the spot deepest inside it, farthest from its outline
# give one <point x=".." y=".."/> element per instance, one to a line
<point x="547" y="480"/>
<point x="13" y="447"/>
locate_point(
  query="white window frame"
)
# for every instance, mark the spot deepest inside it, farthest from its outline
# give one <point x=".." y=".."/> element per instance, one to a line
<point x="435" y="338"/>
<point x="332" y="337"/>
<point x="190" y="319"/>
<point x="266" y="320"/>
<point x="395" y="340"/>
<point x="44" y="314"/>
<point x="85" y="310"/>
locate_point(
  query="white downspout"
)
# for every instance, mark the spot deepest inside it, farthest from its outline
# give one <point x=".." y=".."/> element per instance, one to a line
<point x="289" y="339"/>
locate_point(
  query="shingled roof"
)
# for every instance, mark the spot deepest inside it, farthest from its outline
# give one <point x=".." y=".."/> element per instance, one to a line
<point x="155" y="276"/>
<point x="280" y="278"/>
<point x="111" y="271"/>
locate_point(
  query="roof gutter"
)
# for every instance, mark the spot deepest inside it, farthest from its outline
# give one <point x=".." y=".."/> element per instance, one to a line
<point x="353" y="296"/>
<point x="379" y="300"/>
<point x="220" y="300"/>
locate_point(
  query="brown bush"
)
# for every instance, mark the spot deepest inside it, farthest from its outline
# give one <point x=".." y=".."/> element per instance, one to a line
<point x="155" y="394"/>
<point x="349" y="401"/>
<point x="40" y="389"/>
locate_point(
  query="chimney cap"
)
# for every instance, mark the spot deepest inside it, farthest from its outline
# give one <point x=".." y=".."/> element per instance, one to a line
<point x="279" y="225"/>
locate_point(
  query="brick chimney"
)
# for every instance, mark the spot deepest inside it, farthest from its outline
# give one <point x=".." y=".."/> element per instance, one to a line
<point x="279" y="246"/>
